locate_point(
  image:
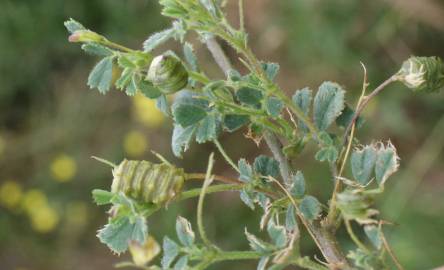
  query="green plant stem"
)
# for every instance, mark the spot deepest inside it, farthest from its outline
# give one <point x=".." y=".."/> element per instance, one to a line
<point x="237" y="255"/>
<point x="200" y="203"/>
<point x="307" y="263"/>
<point x="225" y="155"/>
<point x="192" y="193"/>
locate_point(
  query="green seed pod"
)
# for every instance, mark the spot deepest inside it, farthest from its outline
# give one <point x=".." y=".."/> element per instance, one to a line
<point x="147" y="182"/>
<point x="422" y="74"/>
<point x="354" y="204"/>
<point x="168" y="73"/>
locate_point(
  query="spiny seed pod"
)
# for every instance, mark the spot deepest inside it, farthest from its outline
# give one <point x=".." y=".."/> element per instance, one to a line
<point x="422" y="74"/>
<point x="147" y="182"/>
<point x="168" y="73"/>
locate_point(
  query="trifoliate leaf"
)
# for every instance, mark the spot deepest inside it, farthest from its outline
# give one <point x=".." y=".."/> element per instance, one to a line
<point x="187" y="114"/>
<point x="246" y="197"/>
<point x="102" y="197"/>
<point x="120" y="231"/>
<point x="72" y="26"/>
<point x="207" y="129"/>
<point x="101" y="75"/>
<point x="363" y="163"/>
<point x="277" y="233"/>
<point x="96" y="49"/>
<point x="257" y="244"/>
<point x="266" y="166"/>
<point x="271" y="70"/>
<point x="125" y="62"/>
<point x="181" y="264"/>
<point x="325" y="139"/>
<point x="328" y="104"/>
<point x="190" y="57"/>
<point x="302" y="99"/>
<point x="181" y="139"/>
<point x="131" y="89"/>
<point x="290" y="218"/>
<point x="297" y="185"/>
<point x="386" y="163"/>
<point x="234" y="75"/>
<point x="310" y="207"/>
<point x="246" y="172"/>
<point x="232" y="122"/>
<point x="157" y="39"/>
<point x="184" y="231"/>
<point x="170" y="252"/>
<point x="329" y="153"/>
<point x="374" y="235"/>
<point x="274" y="106"/>
<point x="249" y="96"/>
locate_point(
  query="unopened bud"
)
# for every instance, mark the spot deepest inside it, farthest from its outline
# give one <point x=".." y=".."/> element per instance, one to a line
<point x="85" y="36"/>
<point x="423" y="74"/>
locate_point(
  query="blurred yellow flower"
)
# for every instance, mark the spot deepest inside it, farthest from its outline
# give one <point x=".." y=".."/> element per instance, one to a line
<point x="145" y="111"/>
<point x="44" y="219"/>
<point x="143" y="254"/>
<point x="10" y="194"/>
<point x="63" y="168"/>
<point x="76" y="214"/>
<point x="32" y="199"/>
<point x="135" y="143"/>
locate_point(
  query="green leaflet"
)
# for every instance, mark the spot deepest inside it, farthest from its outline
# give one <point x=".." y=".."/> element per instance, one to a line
<point x="363" y="163"/>
<point x="310" y="207"/>
<point x="96" y="49"/>
<point x="386" y="163"/>
<point x="271" y="70"/>
<point x="208" y="129"/>
<point x="182" y="263"/>
<point x="119" y="231"/>
<point x="246" y="172"/>
<point x="328" y="153"/>
<point x="297" y="185"/>
<point x="181" y="139"/>
<point x="188" y="114"/>
<point x="246" y="197"/>
<point x="277" y="233"/>
<point x="290" y="218"/>
<point x="101" y="75"/>
<point x="102" y="197"/>
<point x="274" y="106"/>
<point x="72" y="26"/>
<point x="257" y="244"/>
<point x="190" y="57"/>
<point x="266" y="166"/>
<point x="302" y="98"/>
<point x="157" y="39"/>
<point x="233" y="122"/>
<point x="328" y="104"/>
<point x="170" y="252"/>
<point x="184" y="231"/>
<point x="249" y="96"/>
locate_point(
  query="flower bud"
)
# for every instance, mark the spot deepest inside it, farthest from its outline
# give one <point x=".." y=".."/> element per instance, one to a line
<point x="422" y="74"/>
<point x="168" y="73"/>
<point x="147" y="182"/>
<point x="85" y="36"/>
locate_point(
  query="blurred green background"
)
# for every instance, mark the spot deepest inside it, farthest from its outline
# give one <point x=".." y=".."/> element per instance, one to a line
<point x="51" y="123"/>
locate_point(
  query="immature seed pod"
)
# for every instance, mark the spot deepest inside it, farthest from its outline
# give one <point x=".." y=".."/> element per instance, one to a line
<point x="147" y="182"/>
<point x="422" y="74"/>
<point x="168" y="73"/>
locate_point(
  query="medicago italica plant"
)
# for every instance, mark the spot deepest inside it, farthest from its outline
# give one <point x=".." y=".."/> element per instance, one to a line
<point x="204" y="108"/>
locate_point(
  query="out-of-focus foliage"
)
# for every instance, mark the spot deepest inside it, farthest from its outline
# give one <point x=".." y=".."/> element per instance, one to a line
<point x="50" y="123"/>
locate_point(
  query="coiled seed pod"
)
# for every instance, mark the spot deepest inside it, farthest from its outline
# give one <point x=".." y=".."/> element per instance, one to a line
<point x="147" y="182"/>
<point x="423" y="74"/>
<point x="168" y="73"/>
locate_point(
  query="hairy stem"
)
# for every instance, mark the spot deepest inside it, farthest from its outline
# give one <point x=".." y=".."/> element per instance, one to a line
<point x="225" y="155"/>
<point x="200" y="203"/>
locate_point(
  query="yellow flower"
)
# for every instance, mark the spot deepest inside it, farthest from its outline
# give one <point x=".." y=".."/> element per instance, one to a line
<point x="135" y="143"/>
<point x="10" y="194"/>
<point x="44" y="219"/>
<point x="143" y="254"/>
<point x="145" y="111"/>
<point x="33" y="199"/>
<point x="63" y="168"/>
